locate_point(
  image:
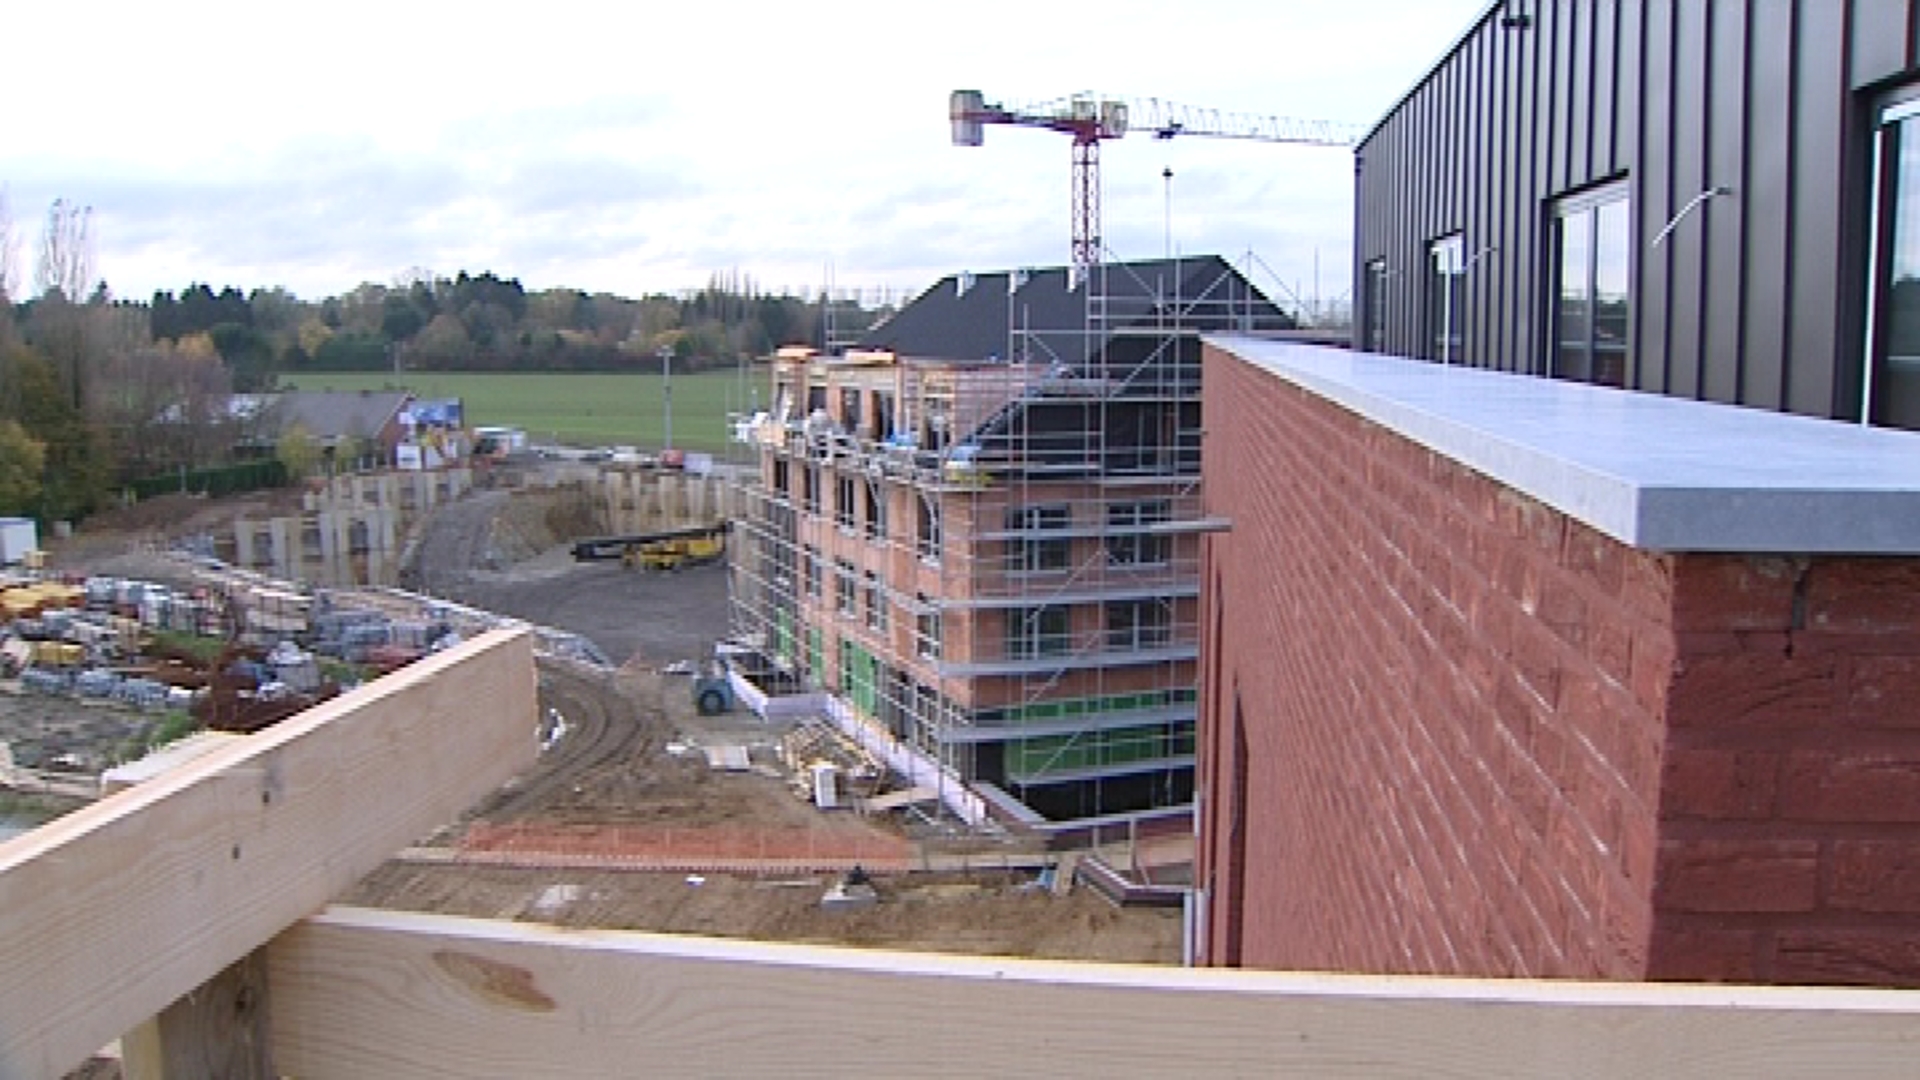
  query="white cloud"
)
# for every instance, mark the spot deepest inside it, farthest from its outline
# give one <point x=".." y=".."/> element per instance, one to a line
<point x="630" y="149"/>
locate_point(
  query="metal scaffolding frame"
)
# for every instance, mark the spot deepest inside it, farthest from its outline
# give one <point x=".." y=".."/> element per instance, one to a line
<point x="998" y="562"/>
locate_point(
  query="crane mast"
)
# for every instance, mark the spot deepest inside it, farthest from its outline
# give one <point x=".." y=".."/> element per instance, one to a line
<point x="1091" y="118"/>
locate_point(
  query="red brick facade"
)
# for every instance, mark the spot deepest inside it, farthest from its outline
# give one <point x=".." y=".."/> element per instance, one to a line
<point x="1482" y="738"/>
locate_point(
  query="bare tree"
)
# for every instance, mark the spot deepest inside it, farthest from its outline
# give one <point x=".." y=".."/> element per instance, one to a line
<point x="59" y="323"/>
<point x="66" y="252"/>
<point x="9" y="252"/>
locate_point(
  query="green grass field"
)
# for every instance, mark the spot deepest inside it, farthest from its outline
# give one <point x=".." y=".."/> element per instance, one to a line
<point x="579" y="410"/>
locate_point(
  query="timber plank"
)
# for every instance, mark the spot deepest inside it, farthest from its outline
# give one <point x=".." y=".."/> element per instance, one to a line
<point x="111" y="913"/>
<point x="359" y="992"/>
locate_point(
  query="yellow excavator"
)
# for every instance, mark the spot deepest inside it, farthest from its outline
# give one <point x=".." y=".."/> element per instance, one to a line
<point x="668" y="550"/>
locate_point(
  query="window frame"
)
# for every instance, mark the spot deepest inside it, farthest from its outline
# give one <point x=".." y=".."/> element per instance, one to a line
<point x="876" y="509"/>
<point x="1446" y="334"/>
<point x="1140" y="624"/>
<point x="1039" y="630"/>
<point x="1033" y="552"/>
<point x="1586" y="205"/>
<point x="845" y="498"/>
<point x="926" y="629"/>
<point x="1127" y="542"/>
<point x="1373" y="327"/>
<point x="1896" y="108"/>
<point x="927" y="538"/>
<point x="845" y="600"/>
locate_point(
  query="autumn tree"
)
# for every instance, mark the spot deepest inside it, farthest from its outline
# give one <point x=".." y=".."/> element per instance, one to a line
<point x="299" y="451"/>
<point x="74" y="478"/>
<point x="22" y="460"/>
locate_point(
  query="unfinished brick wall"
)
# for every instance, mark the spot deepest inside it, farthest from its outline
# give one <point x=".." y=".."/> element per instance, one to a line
<point x="1482" y="738"/>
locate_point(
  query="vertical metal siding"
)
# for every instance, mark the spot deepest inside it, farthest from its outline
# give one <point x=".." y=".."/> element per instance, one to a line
<point x="1606" y="74"/>
<point x="1820" y="86"/>
<point x="1535" y="120"/>
<point x="1499" y="330"/>
<point x="1764" y="205"/>
<point x="1653" y="195"/>
<point x="1753" y="298"/>
<point x="1686" y="244"/>
<point x="1722" y="219"/>
<point x="1880" y="40"/>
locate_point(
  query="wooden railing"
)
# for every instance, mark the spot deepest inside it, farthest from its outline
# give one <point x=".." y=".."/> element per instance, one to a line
<point x="204" y="884"/>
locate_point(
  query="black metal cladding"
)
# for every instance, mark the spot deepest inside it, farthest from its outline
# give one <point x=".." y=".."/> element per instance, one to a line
<point x="1757" y="297"/>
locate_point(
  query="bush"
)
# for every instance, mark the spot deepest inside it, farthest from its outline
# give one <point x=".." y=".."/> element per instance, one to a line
<point x="232" y="479"/>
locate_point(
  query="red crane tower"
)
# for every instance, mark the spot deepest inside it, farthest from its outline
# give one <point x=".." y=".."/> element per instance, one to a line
<point x="1092" y="118"/>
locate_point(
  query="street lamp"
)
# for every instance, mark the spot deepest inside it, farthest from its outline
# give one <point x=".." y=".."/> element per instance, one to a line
<point x="666" y="383"/>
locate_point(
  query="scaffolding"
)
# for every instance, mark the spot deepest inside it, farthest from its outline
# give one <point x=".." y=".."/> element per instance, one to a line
<point x="997" y="561"/>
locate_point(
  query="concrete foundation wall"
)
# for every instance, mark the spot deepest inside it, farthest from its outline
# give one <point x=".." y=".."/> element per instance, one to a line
<point x="647" y="500"/>
<point x="352" y="532"/>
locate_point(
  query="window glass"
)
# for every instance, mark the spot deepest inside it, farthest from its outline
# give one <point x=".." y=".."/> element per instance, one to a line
<point x="1592" y="287"/>
<point x="1896" y="382"/>
<point x="1034" y="554"/>
<point x="1375" y="339"/>
<point x="1612" y="247"/>
<point x="1446" y="281"/>
<point x="1037" y="631"/>
<point x="1573" y="326"/>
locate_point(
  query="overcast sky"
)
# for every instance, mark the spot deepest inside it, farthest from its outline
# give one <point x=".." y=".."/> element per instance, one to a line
<point x="633" y="148"/>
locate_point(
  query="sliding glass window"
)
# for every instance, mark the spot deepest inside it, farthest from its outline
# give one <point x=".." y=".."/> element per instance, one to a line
<point x="1446" y="308"/>
<point x="1892" y="395"/>
<point x="1592" y="276"/>
<point x="1376" y="307"/>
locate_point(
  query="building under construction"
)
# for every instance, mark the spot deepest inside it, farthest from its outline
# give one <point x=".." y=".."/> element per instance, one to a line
<point x="979" y="529"/>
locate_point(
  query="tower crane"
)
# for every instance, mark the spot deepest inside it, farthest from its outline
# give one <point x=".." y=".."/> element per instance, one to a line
<point x="1092" y="118"/>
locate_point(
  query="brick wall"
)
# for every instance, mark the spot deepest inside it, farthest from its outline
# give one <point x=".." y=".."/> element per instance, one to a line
<point x="1482" y="738"/>
<point x="1789" y="848"/>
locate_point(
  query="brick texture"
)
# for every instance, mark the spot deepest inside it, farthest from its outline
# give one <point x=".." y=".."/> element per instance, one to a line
<point x="1481" y="738"/>
<point x="1451" y="697"/>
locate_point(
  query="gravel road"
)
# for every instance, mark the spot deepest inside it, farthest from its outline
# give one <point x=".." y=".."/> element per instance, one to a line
<point x="651" y="617"/>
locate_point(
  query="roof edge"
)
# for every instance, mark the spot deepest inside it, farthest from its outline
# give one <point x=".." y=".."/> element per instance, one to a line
<point x="1432" y="69"/>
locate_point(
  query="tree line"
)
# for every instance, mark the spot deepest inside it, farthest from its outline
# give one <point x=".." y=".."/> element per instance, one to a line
<point x="97" y="391"/>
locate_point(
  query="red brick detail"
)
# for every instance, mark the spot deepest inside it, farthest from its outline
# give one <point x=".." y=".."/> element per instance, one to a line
<point x="1836" y="786"/>
<point x="1875" y="875"/>
<point x="1450" y="767"/>
<point x="1886" y="956"/>
<point x="1863" y="595"/>
<point x="1686" y="954"/>
<point x="1754" y="690"/>
<point x="1484" y="739"/>
<point x="1721" y="784"/>
<point x="1883" y="691"/>
<point x="1730" y="592"/>
<point x="1738" y="876"/>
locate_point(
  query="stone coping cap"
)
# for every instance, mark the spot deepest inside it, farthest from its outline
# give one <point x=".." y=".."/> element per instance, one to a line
<point x="1654" y="472"/>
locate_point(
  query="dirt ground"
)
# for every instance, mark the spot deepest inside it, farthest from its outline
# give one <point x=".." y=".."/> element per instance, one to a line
<point x="628" y="784"/>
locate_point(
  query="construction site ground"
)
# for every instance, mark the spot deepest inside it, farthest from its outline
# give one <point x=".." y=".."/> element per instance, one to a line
<point x="623" y="824"/>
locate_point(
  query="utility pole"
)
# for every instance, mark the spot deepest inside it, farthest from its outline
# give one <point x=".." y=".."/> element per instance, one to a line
<point x="666" y="384"/>
<point x="1166" y="174"/>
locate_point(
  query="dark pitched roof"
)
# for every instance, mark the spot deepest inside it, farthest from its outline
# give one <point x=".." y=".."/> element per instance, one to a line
<point x="329" y="414"/>
<point x="973" y="316"/>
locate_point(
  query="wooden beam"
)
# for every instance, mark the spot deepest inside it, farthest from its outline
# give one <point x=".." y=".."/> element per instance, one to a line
<point x="218" y="1028"/>
<point x="112" y="912"/>
<point x="359" y="992"/>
